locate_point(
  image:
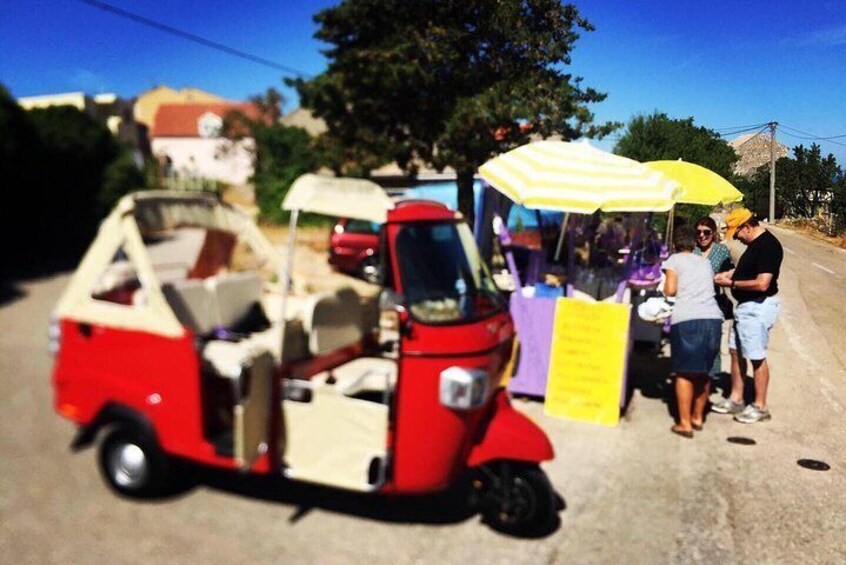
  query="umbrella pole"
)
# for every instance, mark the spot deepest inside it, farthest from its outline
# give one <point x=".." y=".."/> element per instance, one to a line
<point x="561" y="237"/>
<point x="670" y="220"/>
<point x="571" y="255"/>
<point x="288" y="280"/>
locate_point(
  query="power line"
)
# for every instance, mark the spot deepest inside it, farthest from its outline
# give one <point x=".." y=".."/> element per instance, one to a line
<point x="195" y="38"/>
<point x="812" y="136"/>
<point x="804" y="134"/>
<point x="753" y="126"/>
<point x="750" y="127"/>
<point x="766" y="126"/>
<point x="744" y="130"/>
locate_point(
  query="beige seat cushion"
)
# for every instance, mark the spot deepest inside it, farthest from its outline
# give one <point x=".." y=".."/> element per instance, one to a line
<point x="193" y="304"/>
<point x="234" y="295"/>
<point x="332" y="321"/>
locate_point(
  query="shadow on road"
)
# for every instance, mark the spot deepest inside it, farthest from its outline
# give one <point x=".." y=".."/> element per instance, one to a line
<point x="450" y="507"/>
<point x="649" y="372"/>
<point x="17" y="272"/>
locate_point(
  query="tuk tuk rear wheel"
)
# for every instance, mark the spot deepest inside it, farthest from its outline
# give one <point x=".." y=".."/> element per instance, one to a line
<point x="132" y="463"/>
<point x="521" y="502"/>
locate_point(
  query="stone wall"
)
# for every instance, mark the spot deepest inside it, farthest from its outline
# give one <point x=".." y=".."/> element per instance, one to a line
<point x="754" y="151"/>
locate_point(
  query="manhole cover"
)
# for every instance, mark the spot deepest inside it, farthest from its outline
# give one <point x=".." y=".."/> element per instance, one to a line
<point x="741" y="440"/>
<point x="814" y="465"/>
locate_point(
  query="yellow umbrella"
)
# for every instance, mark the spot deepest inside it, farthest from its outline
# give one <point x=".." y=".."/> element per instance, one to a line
<point x="701" y="185"/>
<point x="575" y="177"/>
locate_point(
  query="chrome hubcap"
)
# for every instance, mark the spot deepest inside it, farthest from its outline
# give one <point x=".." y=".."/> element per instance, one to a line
<point x="128" y="464"/>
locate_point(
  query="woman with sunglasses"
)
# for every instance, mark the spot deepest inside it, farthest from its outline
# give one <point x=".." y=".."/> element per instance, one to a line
<point x="708" y="246"/>
<point x="719" y="257"/>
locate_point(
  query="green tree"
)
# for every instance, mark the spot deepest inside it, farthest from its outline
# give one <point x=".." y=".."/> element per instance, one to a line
<point x="838" y="205"/>
<point x="120" y="177"/>
<point x="21" y="172"/>
<point x="446" y="83"/>
<point x="806" y="185"/>
<point x="281" y="153"/>
<point x="657" y="137"/>
<point x="65" y="171"/>
<point x="756" y="192"/>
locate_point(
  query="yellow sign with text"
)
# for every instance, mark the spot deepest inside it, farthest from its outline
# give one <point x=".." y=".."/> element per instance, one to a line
<point x="587" y="361"/>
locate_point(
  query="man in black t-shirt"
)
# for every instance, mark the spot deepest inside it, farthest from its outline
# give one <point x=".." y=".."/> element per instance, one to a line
<point x="754" y="284"/>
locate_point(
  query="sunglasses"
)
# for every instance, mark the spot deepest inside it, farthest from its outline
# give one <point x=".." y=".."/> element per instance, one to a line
<point x="704" y="233"/>
<point x="739" y="229"/>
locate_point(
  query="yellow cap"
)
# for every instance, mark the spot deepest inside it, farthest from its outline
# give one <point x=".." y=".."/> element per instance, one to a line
<point x="735" y="219"/>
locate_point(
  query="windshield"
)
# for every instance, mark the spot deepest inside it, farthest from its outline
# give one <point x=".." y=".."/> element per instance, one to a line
<point x="443" y="277"/>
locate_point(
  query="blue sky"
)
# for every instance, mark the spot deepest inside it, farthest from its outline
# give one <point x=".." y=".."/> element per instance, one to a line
<point x="725" y="63"/>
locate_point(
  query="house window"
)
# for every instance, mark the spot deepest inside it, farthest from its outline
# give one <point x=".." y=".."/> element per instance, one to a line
<point x="209" y="125"/>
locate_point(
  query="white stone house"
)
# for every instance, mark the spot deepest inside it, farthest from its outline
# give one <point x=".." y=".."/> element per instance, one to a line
<point x="189" y="137"/>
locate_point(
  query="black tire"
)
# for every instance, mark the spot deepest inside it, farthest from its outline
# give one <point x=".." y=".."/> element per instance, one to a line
<point x="523" y="503"/>
<point x="132" y="463"/>
<point x="371" y="269"/>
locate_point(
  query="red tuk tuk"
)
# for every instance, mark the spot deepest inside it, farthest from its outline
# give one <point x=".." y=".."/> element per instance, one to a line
<point x="172" y="344"/>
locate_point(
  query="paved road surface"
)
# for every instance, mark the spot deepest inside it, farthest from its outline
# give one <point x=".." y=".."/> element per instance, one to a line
<point x="634" y="493"/>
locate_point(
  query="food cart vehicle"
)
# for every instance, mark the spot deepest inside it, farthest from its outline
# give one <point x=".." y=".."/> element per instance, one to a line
<point x="578" y="181"/>
<point x="169" y="343"/>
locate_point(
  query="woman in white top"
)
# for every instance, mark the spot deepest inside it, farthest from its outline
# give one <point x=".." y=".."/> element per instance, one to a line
<point x="695" y="330"/>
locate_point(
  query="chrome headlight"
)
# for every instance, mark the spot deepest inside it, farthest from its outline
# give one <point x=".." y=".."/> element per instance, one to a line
<point x="462" y="388"/>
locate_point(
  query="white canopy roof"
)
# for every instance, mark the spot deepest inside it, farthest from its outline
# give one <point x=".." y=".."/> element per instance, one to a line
<point x="340" y="197"/>
<point x="134" y="215"/>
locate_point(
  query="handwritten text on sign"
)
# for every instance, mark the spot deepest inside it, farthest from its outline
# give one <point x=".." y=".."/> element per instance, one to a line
<point x="589" y="345"/>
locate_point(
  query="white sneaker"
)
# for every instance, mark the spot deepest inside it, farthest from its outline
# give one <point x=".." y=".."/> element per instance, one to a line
<point x="727" y="406"/>
<point x="752" y="414"/>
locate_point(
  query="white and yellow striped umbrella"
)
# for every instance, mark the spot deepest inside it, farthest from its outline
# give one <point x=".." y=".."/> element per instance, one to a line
<point x="575" y="177"/>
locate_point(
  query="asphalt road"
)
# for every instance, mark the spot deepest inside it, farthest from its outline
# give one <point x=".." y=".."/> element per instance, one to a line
<point x="634" y="493"/>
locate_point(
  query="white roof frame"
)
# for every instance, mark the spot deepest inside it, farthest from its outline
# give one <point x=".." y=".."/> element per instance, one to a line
<point x="341" y="197"/>
<point x="120" y="228"/>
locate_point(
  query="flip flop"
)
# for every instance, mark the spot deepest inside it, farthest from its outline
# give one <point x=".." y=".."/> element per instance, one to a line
<point x="683" y="433"/>
<point x="697" y="427"/>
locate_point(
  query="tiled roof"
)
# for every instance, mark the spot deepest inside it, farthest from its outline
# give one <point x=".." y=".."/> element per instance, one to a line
<point x="182" y="120"/>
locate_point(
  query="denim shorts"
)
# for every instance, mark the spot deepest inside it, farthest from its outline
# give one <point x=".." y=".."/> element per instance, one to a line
<point x="694" y="345"/>
<point x="750" y="332"/>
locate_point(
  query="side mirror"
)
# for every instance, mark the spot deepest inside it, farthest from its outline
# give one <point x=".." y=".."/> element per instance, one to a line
<point x="390" y="300"/>
<point x="391" y="316"/>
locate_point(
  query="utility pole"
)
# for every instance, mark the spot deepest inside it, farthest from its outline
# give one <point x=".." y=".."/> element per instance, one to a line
<point x="772" y="126"/>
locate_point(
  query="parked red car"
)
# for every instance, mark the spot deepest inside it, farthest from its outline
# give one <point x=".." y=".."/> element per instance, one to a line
<point x="354" y="249"/>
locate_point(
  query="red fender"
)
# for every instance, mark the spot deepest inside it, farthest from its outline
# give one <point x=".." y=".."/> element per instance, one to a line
<point x="510" y="436"/>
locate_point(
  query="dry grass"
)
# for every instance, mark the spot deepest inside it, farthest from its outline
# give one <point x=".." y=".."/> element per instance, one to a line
<point x="242" y="197"/>
<point x="808" y="228"/>
<point x="315" y="238"/>
<point x="312" y="272"/>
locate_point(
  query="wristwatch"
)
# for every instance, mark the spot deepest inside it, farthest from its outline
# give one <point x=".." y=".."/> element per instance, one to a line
<point x="732" y="284"/>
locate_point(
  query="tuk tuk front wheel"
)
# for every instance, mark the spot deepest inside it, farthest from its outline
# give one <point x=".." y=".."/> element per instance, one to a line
<point x="132" y="463"/>
<point x="520" y="500"/>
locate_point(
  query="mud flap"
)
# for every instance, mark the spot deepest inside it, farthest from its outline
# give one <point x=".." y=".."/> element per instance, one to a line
<point x="510" y="436"/>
